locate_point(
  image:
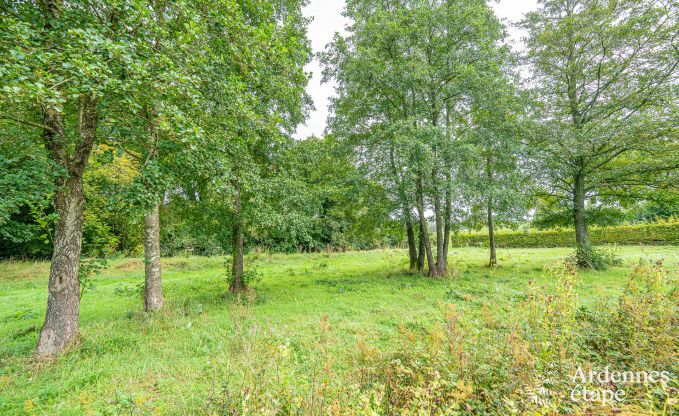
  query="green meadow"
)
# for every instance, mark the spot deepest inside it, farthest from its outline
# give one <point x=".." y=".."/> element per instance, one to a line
<point x="323" y="309"/>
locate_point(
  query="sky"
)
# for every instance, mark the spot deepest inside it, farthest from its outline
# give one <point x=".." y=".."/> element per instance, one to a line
<point x="328" y="19"/>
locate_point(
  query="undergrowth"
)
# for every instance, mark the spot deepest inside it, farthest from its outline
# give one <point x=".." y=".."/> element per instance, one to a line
<point x="524" y="362"/>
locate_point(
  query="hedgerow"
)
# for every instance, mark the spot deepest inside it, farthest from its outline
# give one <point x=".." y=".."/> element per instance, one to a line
<point x="657" y="233"/>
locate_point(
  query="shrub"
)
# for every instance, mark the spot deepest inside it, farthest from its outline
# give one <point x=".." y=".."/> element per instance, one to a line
<point x="659" y="233"/>
<point x="600" y="258"/>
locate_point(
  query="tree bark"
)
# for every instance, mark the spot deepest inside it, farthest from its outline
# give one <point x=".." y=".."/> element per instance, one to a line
<point x="420" y="251"/>
<point x="153" y="284"/>
<point x="439" y="265"/>
<point x="63" y="300"/>
<point x="583" y="246"/>
<point x="153" y="279"/>
<point x="491" y="235"/>
<point x="412" y="244"/>
<point x="424" y="229"/>
<point x="447" y="215"/>
<point x="237" y="283"/>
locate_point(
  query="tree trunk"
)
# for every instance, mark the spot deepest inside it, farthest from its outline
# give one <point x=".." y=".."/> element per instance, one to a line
<point x="424" y="229"/>
<point x="63" y="300"/>
<point x="153" y="284"/>
<point x="440" y="265"/>
<point x="491" y="235"/>
<point x="583" y="246"/>
<point x="412" y="244"/>
<point x="237" y="283"/>
<point x="410" y="232"/>
<point x="447" y="216"/>
<point x="420" y="250"/>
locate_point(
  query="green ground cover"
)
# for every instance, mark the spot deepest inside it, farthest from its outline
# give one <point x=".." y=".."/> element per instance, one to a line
<point x="324" y="309"/>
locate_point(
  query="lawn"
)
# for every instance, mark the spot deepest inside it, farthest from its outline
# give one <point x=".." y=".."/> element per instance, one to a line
<point x="180" y="360"/>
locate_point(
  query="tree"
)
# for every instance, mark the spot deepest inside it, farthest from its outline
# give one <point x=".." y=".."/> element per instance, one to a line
<point x="252" y="98"/>
<point x="349" y="209"/>
<point x="61" y="62"/>
<point x="404" y="76"/>
<point x="605" y="79"/>
<point x="155" y="114"/>
<point x="495" y="179"/>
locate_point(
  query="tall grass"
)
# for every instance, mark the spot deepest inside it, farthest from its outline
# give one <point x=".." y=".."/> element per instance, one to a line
<point x="524" y="362"/>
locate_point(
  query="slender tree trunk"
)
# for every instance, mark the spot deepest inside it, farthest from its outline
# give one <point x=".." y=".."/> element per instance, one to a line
<point x="491" y="225"/>
<point x="491" y="235"/>
<point x="237" y="283"/>
<point x="447" y="210"/>
<point x="583" y="246"/>
<point x="410" y="232"/>
<point x="153" y="284"/>
<point x="412" y="244"/>
<point x="63" y="300"/>
<point x="439" y="236"/>
<point x="420" y="250"/>
<point x="447" y="215"/>
<point x="424" y="229"/>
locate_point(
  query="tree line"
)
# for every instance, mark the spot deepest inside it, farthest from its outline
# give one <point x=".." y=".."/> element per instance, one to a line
<point x="143" y="122"/>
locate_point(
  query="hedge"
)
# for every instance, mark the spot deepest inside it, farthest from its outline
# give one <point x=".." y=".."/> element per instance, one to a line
<point x="660" y="233"/>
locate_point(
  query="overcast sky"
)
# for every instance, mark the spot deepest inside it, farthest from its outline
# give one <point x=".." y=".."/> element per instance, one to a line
<point x="328" y="19"/>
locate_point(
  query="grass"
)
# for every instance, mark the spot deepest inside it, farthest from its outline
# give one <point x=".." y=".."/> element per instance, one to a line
<point x="173" y="362"/>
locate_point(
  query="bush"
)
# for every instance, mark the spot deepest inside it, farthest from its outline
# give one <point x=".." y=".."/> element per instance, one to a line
<point x="600" y="258"/>
<point x="659" y="233"/>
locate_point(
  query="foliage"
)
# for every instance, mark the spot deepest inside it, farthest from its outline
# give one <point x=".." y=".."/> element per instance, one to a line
<point x="89" y="269"/>
<point x="317" y="200"/>
<point x="658" y="233"/>
<point x="601" y="258"/>
<point x="407" y="73"/>
<point x="603" y="76"/>
<point x="26" y="188"/>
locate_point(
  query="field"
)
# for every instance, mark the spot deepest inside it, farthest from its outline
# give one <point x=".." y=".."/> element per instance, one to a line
<point x="328" y="311"/>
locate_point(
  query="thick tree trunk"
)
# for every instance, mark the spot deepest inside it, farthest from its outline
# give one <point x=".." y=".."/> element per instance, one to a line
<point x="583" y="246"/>
<point x="237" y="283"/>
<point x="412" y="244"/>
<point x="153" y="284"/>
<point x="63" y="300"/>
<point x="424" y="229"/>
<point x="491" y="235"/>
